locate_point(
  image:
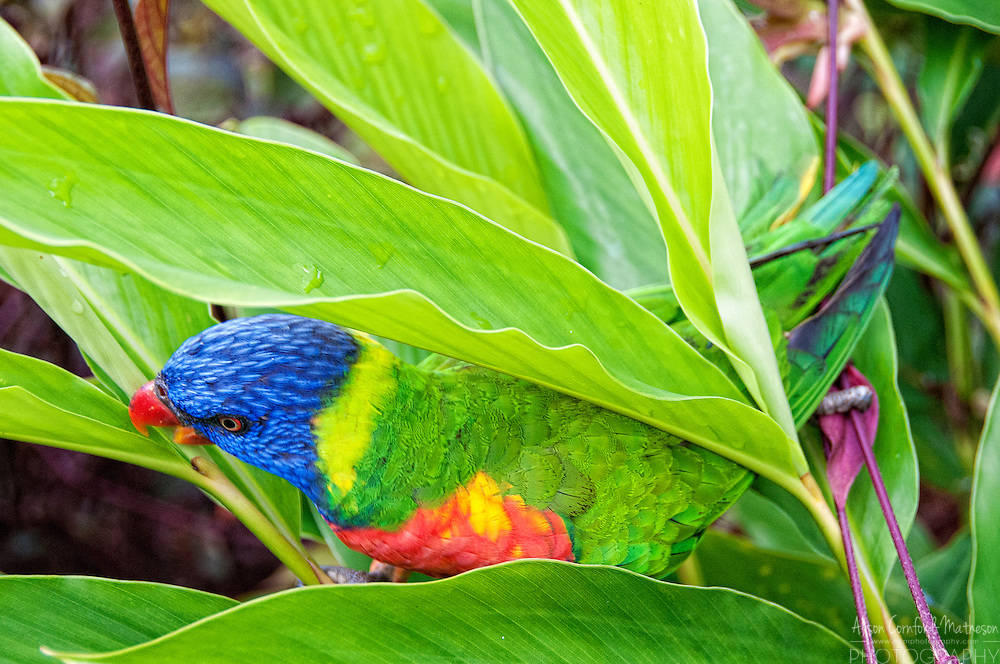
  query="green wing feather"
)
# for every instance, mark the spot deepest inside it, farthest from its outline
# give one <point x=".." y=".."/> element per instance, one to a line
<point x="819" y="347"/>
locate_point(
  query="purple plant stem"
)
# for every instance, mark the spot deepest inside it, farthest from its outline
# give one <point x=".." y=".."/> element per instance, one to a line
<point x="859" y="596"/>
<point x="941" y="655"/>
<point x="830" y="166"/>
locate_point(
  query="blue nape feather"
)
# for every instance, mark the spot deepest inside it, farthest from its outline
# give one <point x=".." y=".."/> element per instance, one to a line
<point x="270" y="373"/>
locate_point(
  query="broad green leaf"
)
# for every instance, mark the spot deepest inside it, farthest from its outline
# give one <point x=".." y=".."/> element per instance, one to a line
<point x="124" y="325"/>
<point x="526" y="611"/>
<point x="760" y="126"/>
<point x="663" y="129"/>
<point x="122" y="322"/>
<point x="460" y="17"/>
<point x="984" y="514"/>
<point x="394" y="73"/>
<point x="297" y="229"/>
<point x="984" y="14"/>
<point x="761" y="513"/>
<point x="812" y="586"/>
<point x="875" y="357"/>
<point x="646" y="87"/>
<point x="953" y="61"/>
<point x="276" y="129"/>
<point x="612" y="231"/>
<point x="87" y="613"/>
<point x="42" y="403"/>
<point x="21" y="75"/>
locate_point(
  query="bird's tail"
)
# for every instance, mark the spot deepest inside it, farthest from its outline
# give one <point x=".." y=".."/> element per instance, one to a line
<point x="819" y="347"/>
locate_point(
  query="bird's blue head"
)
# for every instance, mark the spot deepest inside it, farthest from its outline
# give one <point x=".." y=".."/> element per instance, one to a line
<point x="252" y="385"/>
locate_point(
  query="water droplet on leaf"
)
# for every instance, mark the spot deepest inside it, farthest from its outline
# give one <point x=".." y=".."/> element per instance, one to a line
<point x="374" y="53"/>
<point x="382" y="252"/>
<point x="77" y="307"/>
<point x="300" y="24"/>
<point x="482" y="322"/>
<point x="362" y="15"/>
<point x="311" y="277"/>
<point x="61" y="188"/>
<point x="441" y="83"/>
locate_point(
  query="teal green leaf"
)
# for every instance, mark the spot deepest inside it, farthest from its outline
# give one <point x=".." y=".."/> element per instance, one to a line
<point x="612" y="231"/>
<point x="397" y="76"/>
<point x="276" y="129"/>
<point x="379" y="256"/>
<point x="984" y="514"/>
<point x="461" y="18"/>
<point x="664" y="132"/>
<point x="760" y="126"/>
<point x="875" y="357"/>
<point x="526" y="611"/>
<point x="86" y="613"/>
<point x="984" y="14"/>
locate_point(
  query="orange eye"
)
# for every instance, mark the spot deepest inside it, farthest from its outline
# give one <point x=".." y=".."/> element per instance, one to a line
<point x="229" y="423"/>
<point x="161" y="391"/>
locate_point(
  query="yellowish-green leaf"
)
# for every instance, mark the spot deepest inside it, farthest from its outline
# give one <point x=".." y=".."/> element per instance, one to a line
<point x="300" y="230"/>
<point x="640" y="73"/>
<point x="395" y="74"/>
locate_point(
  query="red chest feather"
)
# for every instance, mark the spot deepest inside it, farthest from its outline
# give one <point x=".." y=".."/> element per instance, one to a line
<point x="475" y="527"/>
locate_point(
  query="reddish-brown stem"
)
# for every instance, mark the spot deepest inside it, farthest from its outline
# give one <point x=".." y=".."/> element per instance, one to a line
<point x="134" y="53"/>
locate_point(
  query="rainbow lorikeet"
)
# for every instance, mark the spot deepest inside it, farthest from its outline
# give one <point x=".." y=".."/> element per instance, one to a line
<point x="441" y="471"/>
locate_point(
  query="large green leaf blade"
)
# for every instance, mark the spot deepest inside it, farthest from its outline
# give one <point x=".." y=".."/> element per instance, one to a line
<point x="760" y="126"/>
<point x="612" y="231"/>
<point x="124" y="325"/>
<point x="347" y="244"/>
<point x="640" y="73"/>
<point x="394" y="73"/>
<point x="984" y="14"/>
<point x="526" y="611"/>
<point x="607" y="67"/>
<point x="984" y="580"/>
<point x="85" y="613"/>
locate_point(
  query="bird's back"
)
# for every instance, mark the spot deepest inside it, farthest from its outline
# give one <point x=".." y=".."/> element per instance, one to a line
<point x="468" y="467"/>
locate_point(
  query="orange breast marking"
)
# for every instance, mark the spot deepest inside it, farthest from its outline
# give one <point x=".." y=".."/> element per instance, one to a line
<point x="475" y="527"/>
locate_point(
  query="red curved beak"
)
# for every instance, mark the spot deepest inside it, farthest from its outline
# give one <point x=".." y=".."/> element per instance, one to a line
<point x="146" y="410"/>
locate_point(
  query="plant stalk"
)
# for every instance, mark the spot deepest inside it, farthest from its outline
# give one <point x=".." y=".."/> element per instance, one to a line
<point x="830" y="164"/>
<point x="809" y="494"/>
<point x="126" y="25"/>
<point x="864" y="625"/>
<point x="941" y="655"/>
<point x="214" y="482"/>
<point x="934" y="170"/>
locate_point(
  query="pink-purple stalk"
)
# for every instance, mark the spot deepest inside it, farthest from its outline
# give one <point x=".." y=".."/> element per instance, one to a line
<point x="843" y="449"/>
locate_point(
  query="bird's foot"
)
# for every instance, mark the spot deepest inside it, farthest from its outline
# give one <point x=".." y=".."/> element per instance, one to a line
<point x="386" y="572"/>
<point x="345" y="575"/>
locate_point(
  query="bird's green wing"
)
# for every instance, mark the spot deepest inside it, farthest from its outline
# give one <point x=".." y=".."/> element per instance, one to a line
<point x="819" y="347"/>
